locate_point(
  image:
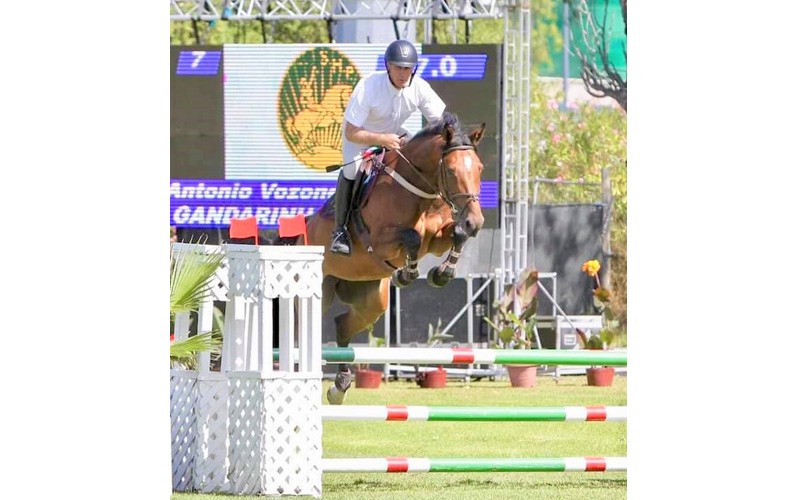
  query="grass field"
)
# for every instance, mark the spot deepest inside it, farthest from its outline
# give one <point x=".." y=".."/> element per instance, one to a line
<point x="476" y="440"/>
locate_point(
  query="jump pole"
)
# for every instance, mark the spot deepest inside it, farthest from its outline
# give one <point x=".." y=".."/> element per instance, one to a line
<point x="406" y="464"/>
<point x="401" y="413"/>
<point x="466" y="355"/>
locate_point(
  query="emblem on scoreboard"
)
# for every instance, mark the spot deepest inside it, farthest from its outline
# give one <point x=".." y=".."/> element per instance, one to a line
<point x="313" y="96"/>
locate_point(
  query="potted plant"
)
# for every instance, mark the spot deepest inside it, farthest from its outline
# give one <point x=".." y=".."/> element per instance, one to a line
<point x="514" y="324"/>
<point x="366" y="378"/>
<point x="435" y="379"/>
<point x="601" y="376"/>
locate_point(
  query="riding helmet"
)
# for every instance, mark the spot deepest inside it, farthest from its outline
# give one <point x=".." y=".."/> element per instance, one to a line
<point x="401" y="53"/>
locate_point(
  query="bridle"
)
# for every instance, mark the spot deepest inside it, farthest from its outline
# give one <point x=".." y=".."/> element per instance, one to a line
<point x="443" y="175"/>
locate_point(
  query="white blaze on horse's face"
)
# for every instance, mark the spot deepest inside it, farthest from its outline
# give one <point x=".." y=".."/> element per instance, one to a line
<point x="466" y="168"/>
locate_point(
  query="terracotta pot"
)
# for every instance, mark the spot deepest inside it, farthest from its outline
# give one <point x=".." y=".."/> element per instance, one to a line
<point x="600" y="376"/>
<point x="435" y="379"/>
<point x="368" y="379"/>
<point x="522" y="375"/>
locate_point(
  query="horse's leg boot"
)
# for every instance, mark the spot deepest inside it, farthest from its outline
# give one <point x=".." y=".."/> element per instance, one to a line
<point x="339" y="242"/>
<point x="337" y="391"/>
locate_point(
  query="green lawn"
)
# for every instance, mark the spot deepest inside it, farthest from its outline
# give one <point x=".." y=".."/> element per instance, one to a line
<point x="476" y="439"/>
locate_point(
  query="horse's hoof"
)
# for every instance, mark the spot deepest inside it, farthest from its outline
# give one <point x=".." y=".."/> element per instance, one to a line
<point x="436" y="279"/>
<point x="334" y="396"/>
<point x="397" y="280"/>
<point x="337" y="392"/>
<point x="343" y="379"/>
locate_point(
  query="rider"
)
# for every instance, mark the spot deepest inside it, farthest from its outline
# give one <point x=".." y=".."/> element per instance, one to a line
<point x="377" y="109"/>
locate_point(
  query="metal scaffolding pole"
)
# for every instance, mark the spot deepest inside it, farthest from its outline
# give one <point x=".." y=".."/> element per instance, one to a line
<point x="515" y="139"/>
<point x="334" y="10"/>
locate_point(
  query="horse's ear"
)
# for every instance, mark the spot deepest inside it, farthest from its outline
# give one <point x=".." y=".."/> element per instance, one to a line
<point x="477" y="134"/>
<point x="447" y="133"/>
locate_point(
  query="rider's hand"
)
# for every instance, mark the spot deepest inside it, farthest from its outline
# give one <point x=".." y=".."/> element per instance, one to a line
<point x="392" y="141"/>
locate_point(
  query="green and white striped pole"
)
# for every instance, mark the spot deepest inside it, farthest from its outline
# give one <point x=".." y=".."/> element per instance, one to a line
<point x="467" y="355"/>
<point x="401" y="413"/>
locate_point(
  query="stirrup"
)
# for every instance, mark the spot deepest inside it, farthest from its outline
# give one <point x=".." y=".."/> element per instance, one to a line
<point x="340" y="242"/>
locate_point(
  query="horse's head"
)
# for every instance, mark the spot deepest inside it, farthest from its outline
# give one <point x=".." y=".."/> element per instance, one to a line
<point x="447" y="158"/>
<point x="461" y="175"/>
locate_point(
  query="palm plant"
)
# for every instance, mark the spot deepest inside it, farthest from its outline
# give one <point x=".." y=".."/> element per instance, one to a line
<point x="190" y="280"/>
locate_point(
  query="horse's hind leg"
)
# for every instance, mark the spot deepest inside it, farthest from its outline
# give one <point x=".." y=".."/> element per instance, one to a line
<point x="367" y="301"/>
<point x="327" y="292"/>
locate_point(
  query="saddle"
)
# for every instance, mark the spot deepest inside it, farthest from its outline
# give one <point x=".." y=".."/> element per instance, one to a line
<point x="364" y="182"/>
<point x="365" y="179"/>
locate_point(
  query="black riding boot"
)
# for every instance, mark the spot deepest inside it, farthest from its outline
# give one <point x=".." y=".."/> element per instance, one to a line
<point x="339" y="242"/>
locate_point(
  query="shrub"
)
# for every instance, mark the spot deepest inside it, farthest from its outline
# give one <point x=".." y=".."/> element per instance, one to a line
<point x="574" y="144"/>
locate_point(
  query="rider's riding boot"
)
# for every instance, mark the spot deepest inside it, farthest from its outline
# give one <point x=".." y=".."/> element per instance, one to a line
<point x="340" y="236"/>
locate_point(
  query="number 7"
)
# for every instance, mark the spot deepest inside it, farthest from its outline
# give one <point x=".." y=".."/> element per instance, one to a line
<point x="422" y="63"/>
<point x="198" y="55"/>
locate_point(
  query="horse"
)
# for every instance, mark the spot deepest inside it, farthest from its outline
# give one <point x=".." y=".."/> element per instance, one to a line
<point x="406" y="211"/>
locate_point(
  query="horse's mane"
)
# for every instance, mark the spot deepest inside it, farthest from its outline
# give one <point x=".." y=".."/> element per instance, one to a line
<point x="436" y="128"/>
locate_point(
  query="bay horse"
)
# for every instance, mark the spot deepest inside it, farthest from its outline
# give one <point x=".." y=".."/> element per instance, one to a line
<point x="406" y="211"/>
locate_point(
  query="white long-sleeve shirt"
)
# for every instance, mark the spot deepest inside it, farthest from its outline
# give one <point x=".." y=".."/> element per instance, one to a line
<point x="377" y="106"/>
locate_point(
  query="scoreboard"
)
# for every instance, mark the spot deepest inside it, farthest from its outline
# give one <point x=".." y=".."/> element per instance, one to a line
<point x="254" y="126"/>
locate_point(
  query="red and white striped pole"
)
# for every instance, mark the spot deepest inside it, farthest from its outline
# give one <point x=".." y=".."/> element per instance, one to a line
<point x="408" y="464"/>
<point x="403" y="413"/>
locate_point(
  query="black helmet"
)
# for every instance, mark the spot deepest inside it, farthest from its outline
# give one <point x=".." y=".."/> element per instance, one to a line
<point x="401" y="53"/>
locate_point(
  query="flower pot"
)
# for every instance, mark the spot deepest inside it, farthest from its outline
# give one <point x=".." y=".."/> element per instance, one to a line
<point x="522" y="375"/>
<point x="600" y="376"/>
<point x="435" y="379"/>
<point x="368" y="379"/>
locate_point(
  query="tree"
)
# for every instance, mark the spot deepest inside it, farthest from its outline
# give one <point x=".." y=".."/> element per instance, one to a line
<point x="600" y="75"/>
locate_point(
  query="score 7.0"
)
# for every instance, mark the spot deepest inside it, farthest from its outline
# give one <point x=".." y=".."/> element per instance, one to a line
<point x="447" y="66"/>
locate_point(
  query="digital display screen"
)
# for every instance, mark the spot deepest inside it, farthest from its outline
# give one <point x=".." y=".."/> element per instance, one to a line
<point x="207" y="203"/>
<point x="254" y="126"/>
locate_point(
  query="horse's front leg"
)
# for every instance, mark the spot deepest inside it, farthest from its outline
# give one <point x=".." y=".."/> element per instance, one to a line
<point x="411" y="241"/>
<point x="443" y="274"/>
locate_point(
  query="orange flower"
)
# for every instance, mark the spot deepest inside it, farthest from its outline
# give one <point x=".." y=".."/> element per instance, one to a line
<point x="591" y="267"/>
<point x="172" y="337"/>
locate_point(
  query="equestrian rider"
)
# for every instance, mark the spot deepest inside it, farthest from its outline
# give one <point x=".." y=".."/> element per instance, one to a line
<point x="377" y="109"/>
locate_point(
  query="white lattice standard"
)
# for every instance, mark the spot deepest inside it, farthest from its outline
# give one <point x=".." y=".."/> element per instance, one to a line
<point x="246" y="432"/>
<point x="212" y="417"/>
<point x="182" y="399"/>
<point x="250" y="429"/>
<point x="292" y="424"/>
<point x="284" y="278"/>
<point x="244" y="271"/>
